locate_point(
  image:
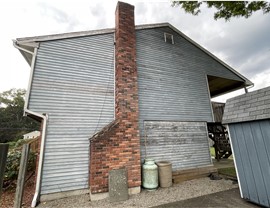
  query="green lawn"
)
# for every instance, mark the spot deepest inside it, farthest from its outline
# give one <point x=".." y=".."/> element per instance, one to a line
<point x="227" y="171"/>
<point x="212" y="151"/>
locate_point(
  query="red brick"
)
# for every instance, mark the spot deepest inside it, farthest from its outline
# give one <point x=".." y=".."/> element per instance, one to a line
<point x="119" y="146"/>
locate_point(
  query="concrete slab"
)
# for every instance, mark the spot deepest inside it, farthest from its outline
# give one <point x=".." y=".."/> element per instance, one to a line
<point x="118" y="186"/>
<point x="226" y="199"/>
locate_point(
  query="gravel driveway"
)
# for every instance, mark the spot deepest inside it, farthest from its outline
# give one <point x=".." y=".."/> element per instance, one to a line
<point x="177" y="192"/>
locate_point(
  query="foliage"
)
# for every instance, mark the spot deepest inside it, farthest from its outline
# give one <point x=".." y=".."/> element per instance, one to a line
<point x="13" y="164"/>
<point x="225" y="9"/>
<point x="17" y="144"/>
<point x="12" y="122"/>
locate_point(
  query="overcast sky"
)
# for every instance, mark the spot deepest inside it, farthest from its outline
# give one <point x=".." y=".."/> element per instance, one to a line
<point x="242" y="43"/>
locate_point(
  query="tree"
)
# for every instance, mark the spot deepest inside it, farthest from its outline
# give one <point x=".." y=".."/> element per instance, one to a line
<point x="225" y="9"/>
<point x="12" y="122"/>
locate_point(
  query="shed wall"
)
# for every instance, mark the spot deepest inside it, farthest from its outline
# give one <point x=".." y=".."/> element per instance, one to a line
<point x="185" y="144"/>
<point x="251" y="147"/>
<point x="73" y="83"/>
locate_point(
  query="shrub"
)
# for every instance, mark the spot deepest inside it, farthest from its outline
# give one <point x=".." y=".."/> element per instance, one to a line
<point x="13" y="164"/>
<point x="20" y="142"/>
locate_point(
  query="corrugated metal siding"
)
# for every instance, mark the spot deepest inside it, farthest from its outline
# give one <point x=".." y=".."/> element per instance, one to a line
<point x="74" y="84"/>
<point x="173" y="87"/>
<point x="251" y="147"/>
<point x="185" y="144"/>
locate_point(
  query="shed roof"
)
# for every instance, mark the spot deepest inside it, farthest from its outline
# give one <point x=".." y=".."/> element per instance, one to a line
<point x="248" y="107"/>
<point x="217" y="85"/>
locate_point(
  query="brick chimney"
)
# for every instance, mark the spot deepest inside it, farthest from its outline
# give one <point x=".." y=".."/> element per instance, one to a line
<point x="118" y="144"/>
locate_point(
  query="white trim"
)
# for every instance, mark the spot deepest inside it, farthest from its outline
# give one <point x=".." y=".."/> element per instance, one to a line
<point x="138" y="27"/>
<point x="64" y="35"/>
<point x="15" y="44"/>
<point x="34" y="55"/>
<point x="235" y="164"/>
<point x="30" y="80"/>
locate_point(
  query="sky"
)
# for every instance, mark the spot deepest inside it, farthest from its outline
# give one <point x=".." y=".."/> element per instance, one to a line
<point x="244" y="44"/>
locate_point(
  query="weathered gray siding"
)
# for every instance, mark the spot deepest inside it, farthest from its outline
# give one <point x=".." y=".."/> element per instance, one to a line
<point x="173" y="87"/>
<point x="251" y="147"/>
<point x="185" y="144"/>
<point x="74" y="84"/>
<point x="247" y="107"/>
<point x="218" y="110"/>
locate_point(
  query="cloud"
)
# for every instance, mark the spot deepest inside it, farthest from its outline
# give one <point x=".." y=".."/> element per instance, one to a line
<point x="245" y="42"/>
<point x="98" y="13"/>
<point x="60" y="17"/>
<point x="242" y="43"/>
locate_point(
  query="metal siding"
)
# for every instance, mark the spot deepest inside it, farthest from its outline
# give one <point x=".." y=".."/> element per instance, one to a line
<point x="73" y="83"/>
<point x="251" y="142"/>
<point x="172" y="87"/>
<point x="185" y="144"/>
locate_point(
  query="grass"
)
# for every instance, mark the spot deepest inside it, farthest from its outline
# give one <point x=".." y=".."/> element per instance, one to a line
<point x="227" y="171"/>
<point x="212" y="151"/>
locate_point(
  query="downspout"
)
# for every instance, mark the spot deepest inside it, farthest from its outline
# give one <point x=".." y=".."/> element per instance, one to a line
<point x="247" y="88"/>
<point x="41" y="156"/>
<point x="44" y="118"/>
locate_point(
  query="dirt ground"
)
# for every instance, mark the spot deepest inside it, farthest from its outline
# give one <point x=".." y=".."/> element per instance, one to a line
<point x="8" y="196"/>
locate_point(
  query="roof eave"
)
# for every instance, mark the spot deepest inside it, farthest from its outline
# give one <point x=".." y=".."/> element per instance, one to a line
<point x="37" y="39"/>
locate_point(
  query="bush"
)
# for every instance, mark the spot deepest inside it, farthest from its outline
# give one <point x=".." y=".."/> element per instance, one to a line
<point x="17" y="143"/>
<point x="13" y="165"/>
<point x="20" y="142"/>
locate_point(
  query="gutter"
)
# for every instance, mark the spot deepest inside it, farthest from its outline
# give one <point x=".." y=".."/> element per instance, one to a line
<point x="38" y="116"/>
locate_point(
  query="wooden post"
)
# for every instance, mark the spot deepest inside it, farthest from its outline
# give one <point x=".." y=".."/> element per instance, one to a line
<point x="3" y="159"/>
<point x="21" y="176"/>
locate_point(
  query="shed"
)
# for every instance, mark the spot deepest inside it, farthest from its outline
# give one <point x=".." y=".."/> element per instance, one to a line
<point x="248" y="119"/>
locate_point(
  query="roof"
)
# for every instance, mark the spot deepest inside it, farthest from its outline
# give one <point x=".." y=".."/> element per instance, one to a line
<point x="29" y="43"/>
<point x="248" y="107"/>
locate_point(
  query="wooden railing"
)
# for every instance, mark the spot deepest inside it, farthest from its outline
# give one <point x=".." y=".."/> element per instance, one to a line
<point x="34" y="144"/>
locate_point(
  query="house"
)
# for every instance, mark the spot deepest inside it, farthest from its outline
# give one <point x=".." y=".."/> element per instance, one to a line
<point x="31" y="135"/>
<point x="248" y="120"/>
<point x="136" y="91"/>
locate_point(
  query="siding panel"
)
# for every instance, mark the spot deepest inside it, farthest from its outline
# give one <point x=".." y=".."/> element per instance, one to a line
<point x="172" y="87"/>
<point x="250" y="141"/>
<point x="185" y="144"/>
<point x="74" y="84"/>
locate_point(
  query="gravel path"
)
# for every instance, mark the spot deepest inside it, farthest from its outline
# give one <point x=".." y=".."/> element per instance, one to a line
<point x="177" y="192"/>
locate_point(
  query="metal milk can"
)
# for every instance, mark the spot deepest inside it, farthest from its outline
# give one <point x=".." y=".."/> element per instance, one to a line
<point x="150" y="174"/>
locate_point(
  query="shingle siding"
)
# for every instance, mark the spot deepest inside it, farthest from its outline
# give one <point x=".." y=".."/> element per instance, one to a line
<point x="251" y="106"/>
